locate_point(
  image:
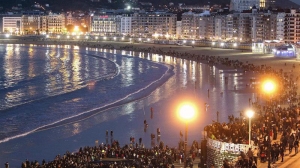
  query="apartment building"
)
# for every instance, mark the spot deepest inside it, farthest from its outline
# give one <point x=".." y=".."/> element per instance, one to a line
<point x="220" y="27"/>
<point x="260" y="26"/>
<point x="178" y="29"/>
<point x="191" y="23"/>
<point x="244" y="26"/>
<point x="292" y="26"/>
<point x="154" y="23"/>
<point x="126" y="26"/>
<point x="280" y="21"/>
<point x="11" y="24"/>
<point x="31" y="22"/>
<point x="55" y="23"/>
<point x="104" y="24"/>
<point x="241" y="5"/>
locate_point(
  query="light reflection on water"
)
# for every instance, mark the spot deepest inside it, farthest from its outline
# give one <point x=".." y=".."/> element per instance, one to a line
<point x="73" y="72"/>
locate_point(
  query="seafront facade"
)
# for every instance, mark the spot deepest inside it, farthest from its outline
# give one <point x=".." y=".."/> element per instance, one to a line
<point x="247" y="26"/>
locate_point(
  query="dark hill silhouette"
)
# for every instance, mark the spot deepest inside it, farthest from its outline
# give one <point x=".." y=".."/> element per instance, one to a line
<point x="59" y="5"/>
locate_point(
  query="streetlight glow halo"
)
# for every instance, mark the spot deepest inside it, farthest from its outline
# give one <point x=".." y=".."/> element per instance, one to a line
<point x="249" y="113"/>
<point x="269" y="86"/>
<point x="187" y="112"/>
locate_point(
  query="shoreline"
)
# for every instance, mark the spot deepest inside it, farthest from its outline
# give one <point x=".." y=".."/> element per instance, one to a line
<point x="244" y="56"/>
<point x="186" y="52"/>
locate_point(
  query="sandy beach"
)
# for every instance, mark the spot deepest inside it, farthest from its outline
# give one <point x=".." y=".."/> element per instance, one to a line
<point x="246" y="56"/>
<point x="287" y="65"/>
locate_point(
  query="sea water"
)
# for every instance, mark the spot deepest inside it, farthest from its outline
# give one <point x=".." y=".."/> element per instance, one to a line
<point x="55" y="99"/>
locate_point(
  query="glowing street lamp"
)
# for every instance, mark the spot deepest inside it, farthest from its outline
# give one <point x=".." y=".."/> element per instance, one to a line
<point x="249" y="114"/>
<point x="155" y="35"/>
<point x="186" y="112"/>
<point x="167" y="36"/>
<point x="76" y="29"/>
<point x="269" y="87"/>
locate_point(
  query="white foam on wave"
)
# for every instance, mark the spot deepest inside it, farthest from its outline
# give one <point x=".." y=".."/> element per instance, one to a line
<point x="127" y="96"/>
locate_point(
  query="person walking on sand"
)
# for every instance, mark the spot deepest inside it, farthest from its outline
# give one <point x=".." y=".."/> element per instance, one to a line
<point x="255" y="154"/>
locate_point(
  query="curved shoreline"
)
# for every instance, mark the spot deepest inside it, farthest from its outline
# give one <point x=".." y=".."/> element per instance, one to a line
<point x="190" y="53"/>
<point x="241" y="55"/>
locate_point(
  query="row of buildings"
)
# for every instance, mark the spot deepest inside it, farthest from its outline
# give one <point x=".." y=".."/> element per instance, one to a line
<point x="252" y="25"/>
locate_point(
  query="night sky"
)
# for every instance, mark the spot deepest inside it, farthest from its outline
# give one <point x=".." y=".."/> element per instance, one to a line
<point x="296" y="1"/>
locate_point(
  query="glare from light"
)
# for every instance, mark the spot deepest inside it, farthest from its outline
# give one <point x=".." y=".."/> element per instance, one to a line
<point x="187" y="112"/>
<point x="249" y="113"/>
<point x="269" y="86"/>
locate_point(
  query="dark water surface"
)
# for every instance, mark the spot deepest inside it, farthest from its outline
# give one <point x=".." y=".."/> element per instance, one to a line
<point x="59" y="98"/>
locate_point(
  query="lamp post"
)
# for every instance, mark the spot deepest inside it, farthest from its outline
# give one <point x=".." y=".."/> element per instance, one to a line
<point x="250" y="114"/>
<point x="186" y="112"/>
<point x="269" y="87"/>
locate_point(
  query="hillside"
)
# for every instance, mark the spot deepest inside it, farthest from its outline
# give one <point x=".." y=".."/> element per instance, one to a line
<point x="59" y="5"/>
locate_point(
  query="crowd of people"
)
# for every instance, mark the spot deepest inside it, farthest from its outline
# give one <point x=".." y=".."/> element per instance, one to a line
<point x="112" y="155"/>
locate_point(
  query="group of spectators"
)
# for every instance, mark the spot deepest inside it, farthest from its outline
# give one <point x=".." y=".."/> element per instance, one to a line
<point x="106" y="155"/>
